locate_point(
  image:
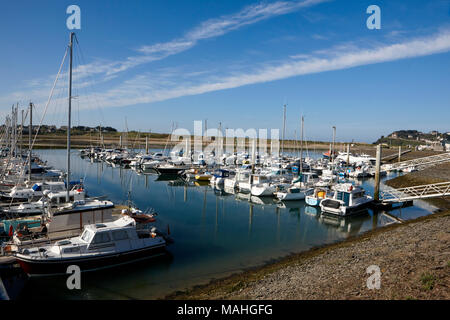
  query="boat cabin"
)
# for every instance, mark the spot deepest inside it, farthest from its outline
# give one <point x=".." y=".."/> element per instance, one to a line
<point x="348" y="194"/>
<point x="222" y="173"/>
<point x="60" y="197"/>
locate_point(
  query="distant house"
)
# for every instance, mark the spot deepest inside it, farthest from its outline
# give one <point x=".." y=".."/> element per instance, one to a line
<point x="446" y="145"/>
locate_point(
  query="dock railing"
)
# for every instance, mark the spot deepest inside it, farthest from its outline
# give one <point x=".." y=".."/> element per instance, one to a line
<point x="415" y="192"/>
<point x="419" y="163"/>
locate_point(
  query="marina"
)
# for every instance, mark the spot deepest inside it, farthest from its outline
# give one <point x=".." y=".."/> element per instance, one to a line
<point x="225" y="162"/>
<point x="215" y="232"/>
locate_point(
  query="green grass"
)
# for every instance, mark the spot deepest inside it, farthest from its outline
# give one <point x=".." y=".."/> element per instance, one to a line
<point x="428" y="281"/>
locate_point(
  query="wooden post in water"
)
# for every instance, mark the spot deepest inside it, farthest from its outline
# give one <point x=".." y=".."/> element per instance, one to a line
<point x="376" y="194"/>
<point x="399" y="153"/>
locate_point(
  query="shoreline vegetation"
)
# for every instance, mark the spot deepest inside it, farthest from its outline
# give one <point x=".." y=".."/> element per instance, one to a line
<point x="413" y="257"/>
<point x="160" y="140"/>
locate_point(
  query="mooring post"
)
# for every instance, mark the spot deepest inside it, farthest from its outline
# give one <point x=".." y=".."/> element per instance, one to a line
<point x="376" y="194"/>
<point x="399" y="153"/>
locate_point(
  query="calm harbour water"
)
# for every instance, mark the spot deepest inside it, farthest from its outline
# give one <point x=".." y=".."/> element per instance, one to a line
<point x="215" y="233"/>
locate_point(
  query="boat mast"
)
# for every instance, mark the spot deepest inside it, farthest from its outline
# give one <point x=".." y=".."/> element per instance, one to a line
<point x="284" y="129"/>
<point x="29" y="141"/>
<point x="69" y="117"/>
<point x="301" y="149"/>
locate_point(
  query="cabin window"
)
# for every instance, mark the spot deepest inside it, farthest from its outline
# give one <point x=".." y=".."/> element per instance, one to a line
<point x="86" y="236"/>
<point x="101" y="237"/>
<point x="119" y="235"/>
<point x="346" y="198"/>
<point x="71" y="250"/>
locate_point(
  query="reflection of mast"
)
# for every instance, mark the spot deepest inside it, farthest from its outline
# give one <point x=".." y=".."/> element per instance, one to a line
<point x="217" y="212"/>
<point x="250" y="218"/>
<point x="204" y="206"/>
<point x="98" y="175"/>
<point x="277" y="211"/>
<point x="185" y="193"/>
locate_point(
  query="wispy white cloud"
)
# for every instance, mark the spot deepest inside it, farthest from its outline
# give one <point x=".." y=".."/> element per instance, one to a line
<point x="100" y="71"/>
<point x="143" y="89"/>
<point x="210" y="29"/>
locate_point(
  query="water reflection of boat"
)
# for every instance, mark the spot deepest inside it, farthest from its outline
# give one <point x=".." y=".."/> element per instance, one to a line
<point x="145" y="171"/>
<point x="243" y="196"/>
<point x="201" y="183"/>
<point x="312" y="211"/>
<point x="229" y="190"/>
<point x="177" y="182"/>
<point x="350" y="226"/>
<point x="220" y="192"/>
<point x="167" y="177"/>
<point x="262" y="200"/>
<point x="291" y="204"/>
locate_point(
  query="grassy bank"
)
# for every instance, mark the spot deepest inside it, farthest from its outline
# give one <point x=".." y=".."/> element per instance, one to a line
<point x="158" y="140"/>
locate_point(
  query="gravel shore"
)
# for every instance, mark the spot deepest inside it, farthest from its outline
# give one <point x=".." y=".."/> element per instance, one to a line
<point x="414" y="259"/>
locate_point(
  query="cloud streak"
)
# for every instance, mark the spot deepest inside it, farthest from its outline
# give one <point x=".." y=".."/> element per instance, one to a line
<point x="141" y="90"/>
<point x="208" y="29"/>
<point x="102" y="71"/>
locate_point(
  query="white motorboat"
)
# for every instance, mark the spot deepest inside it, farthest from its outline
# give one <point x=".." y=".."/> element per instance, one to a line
<point x="35" y="192"/>
<point x="347" y="199"/>
<point x="101" y="245"/>
<point x="314" y="196"/>
<point x="291" y="193"/>
<point x="79" y="211"/>
<point x="266" y="189"/>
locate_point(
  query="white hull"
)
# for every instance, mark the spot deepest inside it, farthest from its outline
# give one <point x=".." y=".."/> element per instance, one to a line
<point x="263" y="191"/>
<point x="287" y="196"/>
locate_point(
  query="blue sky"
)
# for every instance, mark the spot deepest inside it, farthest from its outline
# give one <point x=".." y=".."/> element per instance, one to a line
<point x="146" y="64"/>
